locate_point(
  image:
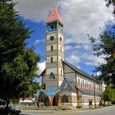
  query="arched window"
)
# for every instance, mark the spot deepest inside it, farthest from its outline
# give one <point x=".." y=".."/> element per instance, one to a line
<point x="51" y="48"/>
<point x="52" y="76"/>
<point x="51" y="38"/>
<point x="60" y="39"/>
<point x="51" y="59"/>
<point x="61" y="72"/>
<point x="64" y="99"/>
<point x="52" y="27"/>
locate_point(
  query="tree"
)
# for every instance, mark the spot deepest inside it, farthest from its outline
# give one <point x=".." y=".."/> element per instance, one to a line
<point x="33" y="88"/>
<point x="109" y="94"/>
<point x="111" y="2"/>
<point x="105" y="46"/>
<point x="18" y="64"/>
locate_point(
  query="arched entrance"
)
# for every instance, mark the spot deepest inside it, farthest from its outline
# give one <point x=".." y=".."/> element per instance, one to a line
<point x="43" y="100"/>
<point x="55" y="100"/>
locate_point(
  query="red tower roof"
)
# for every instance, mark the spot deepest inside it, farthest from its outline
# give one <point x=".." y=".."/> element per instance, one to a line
<point x="54" y="15"/>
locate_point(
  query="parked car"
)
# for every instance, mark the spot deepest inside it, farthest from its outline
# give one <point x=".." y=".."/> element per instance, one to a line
<point x="14" y="111"/>
<point x="10" y="110"/>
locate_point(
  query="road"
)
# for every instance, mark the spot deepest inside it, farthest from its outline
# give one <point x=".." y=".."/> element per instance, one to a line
<point x="101" y="111"/>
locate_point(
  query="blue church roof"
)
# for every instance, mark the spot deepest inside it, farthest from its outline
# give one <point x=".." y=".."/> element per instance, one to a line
<point x="51" y="92"/>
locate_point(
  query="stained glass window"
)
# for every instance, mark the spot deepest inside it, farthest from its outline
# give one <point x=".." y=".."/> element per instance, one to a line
<point x="52" y="76"/>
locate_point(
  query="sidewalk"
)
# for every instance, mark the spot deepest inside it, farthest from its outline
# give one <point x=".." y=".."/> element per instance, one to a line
<point x="51" y="111"/>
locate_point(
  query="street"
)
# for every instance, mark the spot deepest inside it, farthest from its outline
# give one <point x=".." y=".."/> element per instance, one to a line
<point x="101" y="111"/>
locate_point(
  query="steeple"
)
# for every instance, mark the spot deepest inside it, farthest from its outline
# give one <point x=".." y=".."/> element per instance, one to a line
<point x="54" y="51"/>
<point x="54" y="15"/>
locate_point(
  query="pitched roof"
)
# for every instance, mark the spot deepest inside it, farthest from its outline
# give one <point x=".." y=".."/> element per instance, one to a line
<point x="54" y="15"/>
<point x="72" y="87"/>
<point x="80" y="71"/>
<point x="69" y="86"/>
<point x="43" y="72"/>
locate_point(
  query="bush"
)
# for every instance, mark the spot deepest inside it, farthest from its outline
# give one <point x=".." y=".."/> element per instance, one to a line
<point x="78" y="106"/>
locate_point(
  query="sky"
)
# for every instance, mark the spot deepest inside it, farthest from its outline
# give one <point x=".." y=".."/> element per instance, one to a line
<point x="80" y="17"/>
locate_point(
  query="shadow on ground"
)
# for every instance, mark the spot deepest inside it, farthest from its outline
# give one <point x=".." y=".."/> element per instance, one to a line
<point x="24" y="114"/>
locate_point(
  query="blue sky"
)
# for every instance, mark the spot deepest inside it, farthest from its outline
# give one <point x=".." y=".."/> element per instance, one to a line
<point x="37" y="42"/>
<point x="79" y="20"/>
<point x="37" y="38"/>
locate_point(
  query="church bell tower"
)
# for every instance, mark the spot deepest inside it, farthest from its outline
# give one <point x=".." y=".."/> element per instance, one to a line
<point x="54" y="51"/>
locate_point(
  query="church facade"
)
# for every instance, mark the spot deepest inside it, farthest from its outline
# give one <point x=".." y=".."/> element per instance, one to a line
<point x="63" y="84"/>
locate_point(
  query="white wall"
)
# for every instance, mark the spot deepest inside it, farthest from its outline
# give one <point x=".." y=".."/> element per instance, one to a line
<point x="54" y="47"/>
<point x="52" y="34"/>
<point x="54" y="59"/>
<point x="60" y="35"/>
<point x="54" y="70"/>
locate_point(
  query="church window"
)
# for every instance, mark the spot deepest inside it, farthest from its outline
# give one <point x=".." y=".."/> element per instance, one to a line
<point x="64" y="99"/>
<point x="60" y="39"/>
<point x="83" y="83"/>
<point x="51" y="38"/>
<point x="51" y="59"/>
<point x="52" y="27"/>
<point x="78" y="82"/>
<point x="61" y="72"/>
<point x="51" y="48"/>
<point x="52" y="76"/>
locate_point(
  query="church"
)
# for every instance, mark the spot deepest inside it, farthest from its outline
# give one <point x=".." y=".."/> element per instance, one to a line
<point x="63" y="84"/>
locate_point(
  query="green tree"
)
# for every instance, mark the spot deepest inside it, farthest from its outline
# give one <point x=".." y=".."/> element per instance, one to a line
<point x="109" y="94"/>
<point x="105" y="46"/>
<point x="33" y="88"/>
<point x="18" y="64"/>
<point x="111" y="2"/>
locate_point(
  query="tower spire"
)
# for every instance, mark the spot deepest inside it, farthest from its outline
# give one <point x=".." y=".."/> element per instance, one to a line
<point x="54" y="15"/>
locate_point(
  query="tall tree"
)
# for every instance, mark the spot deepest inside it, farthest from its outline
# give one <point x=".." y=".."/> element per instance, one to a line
<point x="18" y="64"/>
<point x="105" y="46"/>
<point x="109" y="94"/>
<point x="111" y="2"/>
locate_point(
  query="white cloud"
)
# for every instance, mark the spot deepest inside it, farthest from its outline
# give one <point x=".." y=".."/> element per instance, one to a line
<point x="80" y="17"/>
<point x="41" y="67"/>
<point x="39" y="41"/>
<point x="77" y="57"/>
<point x="35" y="10"/>
<point x="98" y="73"/>
<point x="70" y="47"/>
